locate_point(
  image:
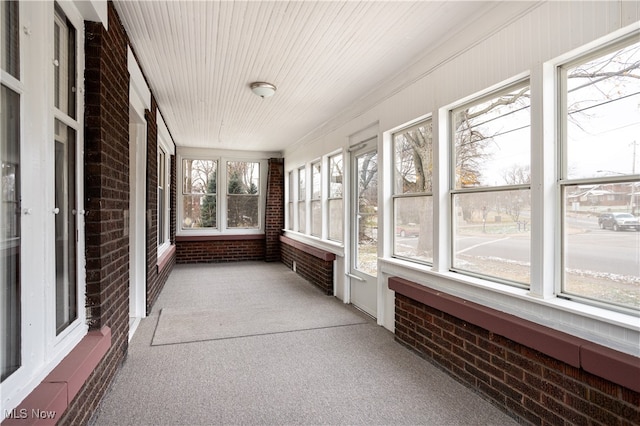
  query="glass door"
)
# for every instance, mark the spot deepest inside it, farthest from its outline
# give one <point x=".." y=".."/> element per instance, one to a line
<point x="364" y="228"/>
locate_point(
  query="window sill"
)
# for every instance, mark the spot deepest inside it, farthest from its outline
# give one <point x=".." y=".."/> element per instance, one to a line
<point x="326" y="245"/>
<point x="165" y="256"/>
<point x="54" y="394"/>
<point x="610" y="329"/>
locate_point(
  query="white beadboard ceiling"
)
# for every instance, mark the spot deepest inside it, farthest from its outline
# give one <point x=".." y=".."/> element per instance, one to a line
<point x="323" y="56"/>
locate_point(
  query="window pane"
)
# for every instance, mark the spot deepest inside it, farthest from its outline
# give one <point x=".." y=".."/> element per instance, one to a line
<point x="335" y="176"/>
<point x="602" y="243"/>
<point x="414" y="228"/>
<point x="603" y="115"/>
<point x="10" y="299"/>
<point x="243" y="177"/>
<point x="199" y="176"/>
<point x="199" y="189"/>
<point x="242" y="211"/>
<point x="413" y="158"/>
<point x="302" y="219"/>
<point x="302" y="189"/>
<point x="491" y="234"/>
<point x="492" y="140"/>
<point x="316" y="190"/>
<point x="316" y="218"/>
<point x="336" y="217"/>
<point x="9" y="17"/>
<point x="64" y="41"/>
<point x="199" y="211"/>
<point x="65" y="226"/>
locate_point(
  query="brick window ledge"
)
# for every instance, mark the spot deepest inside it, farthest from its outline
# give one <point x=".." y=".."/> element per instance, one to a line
<point x="617" y="367"/>
<point x="58" y="389"/>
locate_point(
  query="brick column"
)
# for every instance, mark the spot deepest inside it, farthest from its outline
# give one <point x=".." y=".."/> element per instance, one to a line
<point x="274" y="217"/>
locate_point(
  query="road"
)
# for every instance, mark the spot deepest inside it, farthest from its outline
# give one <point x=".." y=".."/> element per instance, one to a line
<point x="589" y="248"/>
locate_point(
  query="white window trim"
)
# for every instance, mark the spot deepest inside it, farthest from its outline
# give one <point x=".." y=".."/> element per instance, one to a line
<point x="222" y="157"/>
<point x="42" y="349"/>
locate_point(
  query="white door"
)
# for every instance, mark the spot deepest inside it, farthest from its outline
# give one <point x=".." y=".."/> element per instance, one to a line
<point x="363" y="268"/>
<point x="137" y="201"/>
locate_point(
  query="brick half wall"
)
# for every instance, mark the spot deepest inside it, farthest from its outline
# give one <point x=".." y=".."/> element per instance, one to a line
<point x="540" y="375"/>
<point x="313" y="264"/>
<point x="211" y="249"/>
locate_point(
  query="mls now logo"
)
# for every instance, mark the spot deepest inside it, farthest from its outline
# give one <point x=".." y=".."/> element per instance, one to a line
<point x="34" y="413"/>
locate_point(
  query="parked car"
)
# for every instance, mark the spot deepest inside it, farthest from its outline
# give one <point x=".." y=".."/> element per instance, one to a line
<point x="618" y="221"/>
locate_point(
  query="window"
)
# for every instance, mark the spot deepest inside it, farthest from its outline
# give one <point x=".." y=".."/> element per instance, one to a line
<point x="302" y="199"/>
<point x="491" y="197"/>
<point x="236" y="208"/>
<point x="316" y="194"/>
<point x="336" y="209"/>
<point x="42" y="313"/>
<point x="413" y="193"/>
<point x="199" y="196"/>
<point x="10" y="229"/>
<point x="290" y="201"/>
<point x="65" y="182"/>
<point x="600" y="184"/>
<point x="166" y="154"/>
<point x="243" y="183"/>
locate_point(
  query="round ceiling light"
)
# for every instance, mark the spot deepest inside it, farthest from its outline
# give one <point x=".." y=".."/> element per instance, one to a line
<point x="262" y="89"/>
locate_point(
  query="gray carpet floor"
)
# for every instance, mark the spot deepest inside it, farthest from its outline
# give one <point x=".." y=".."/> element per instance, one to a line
<point x="347" y="371"/>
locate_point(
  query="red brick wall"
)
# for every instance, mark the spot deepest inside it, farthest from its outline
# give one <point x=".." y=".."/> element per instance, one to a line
<point x="220" y="249"/>
<point x="317" y="271"/>
<point x="106" y="200"/>
<point x="533" y="386"/>
<point x="274" y="217"/>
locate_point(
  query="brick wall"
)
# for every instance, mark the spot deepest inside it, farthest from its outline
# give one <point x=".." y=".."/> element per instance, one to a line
<point x="106" y="200"/>
<point x="274" y="217"/>
<point x="314" y="265"/>
<point x="535" y="387"/>
<point x="220" y="249"/>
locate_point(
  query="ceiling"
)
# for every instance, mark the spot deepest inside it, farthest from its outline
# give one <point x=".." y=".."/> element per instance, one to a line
<point x="200" y="57"/>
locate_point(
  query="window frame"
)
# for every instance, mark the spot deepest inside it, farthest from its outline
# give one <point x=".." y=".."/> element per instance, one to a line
<point x="395" y="196"/>
<point x="330" y="197"/>
<point x="301" y="200"/>
<point x="454" y="191"/>
<point x="222" y="158"/>
<point x="44" y="346"/>
<point x="166" y="146"/>
<point x="564" y="181"/>
<point x="228" y="194"/>
<point x="315" y="202"/>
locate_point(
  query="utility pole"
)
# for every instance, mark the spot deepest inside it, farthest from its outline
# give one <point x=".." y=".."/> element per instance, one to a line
<point x="633" y="184"/>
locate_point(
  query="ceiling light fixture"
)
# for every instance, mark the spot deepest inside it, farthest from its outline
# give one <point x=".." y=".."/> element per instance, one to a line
<point x="262" y="89"/>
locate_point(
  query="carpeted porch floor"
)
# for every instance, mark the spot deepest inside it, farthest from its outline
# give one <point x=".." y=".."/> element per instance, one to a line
<point x="254" y="344"/>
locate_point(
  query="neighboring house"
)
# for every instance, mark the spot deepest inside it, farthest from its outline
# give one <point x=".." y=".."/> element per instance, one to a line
<point x="99" y="205"/>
